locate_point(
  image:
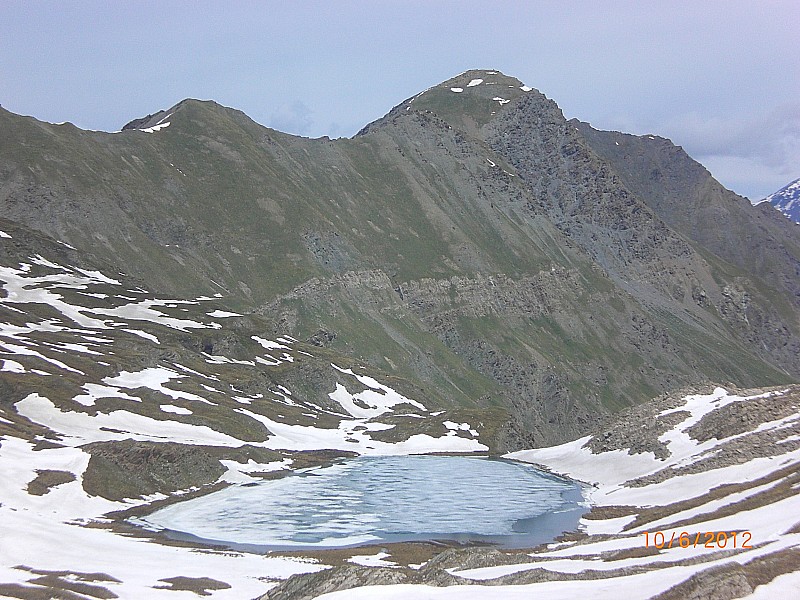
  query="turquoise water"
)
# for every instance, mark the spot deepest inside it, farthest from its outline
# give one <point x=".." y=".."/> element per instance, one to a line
<point x="384" y="499"/>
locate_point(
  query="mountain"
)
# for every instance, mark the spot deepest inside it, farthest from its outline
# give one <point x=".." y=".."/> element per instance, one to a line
<point x="787" y="200"/>
<point x="685" y="195"/>
<point x="471" y="241"/>
<point x="198" y="301"/>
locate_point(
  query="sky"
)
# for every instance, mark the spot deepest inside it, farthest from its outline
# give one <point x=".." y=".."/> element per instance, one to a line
<point x="719" y="78"/>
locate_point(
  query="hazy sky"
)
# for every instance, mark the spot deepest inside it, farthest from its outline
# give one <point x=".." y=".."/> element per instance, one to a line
<point x="720" y="78"/>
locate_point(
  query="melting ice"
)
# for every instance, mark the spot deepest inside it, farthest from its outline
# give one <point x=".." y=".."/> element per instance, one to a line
<point x="389" y="499"/>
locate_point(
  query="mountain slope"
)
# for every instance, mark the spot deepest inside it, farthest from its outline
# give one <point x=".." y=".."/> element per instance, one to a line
<point x="471" y="241"/>
<point x="683" y="193"/>
<point x="114" y="400"/>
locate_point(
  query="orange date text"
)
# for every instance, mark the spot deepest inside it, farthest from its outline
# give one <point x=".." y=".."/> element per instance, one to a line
<point x="711" y="540"/>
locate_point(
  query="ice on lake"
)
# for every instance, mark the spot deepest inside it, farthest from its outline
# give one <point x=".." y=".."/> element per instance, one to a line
<point x="384" y="499"/>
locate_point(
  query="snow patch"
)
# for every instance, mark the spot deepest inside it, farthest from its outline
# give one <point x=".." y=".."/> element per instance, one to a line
<point x="460" y="427"/>
<point x="373" y="560"/>
<point x="155" y="128"/>
<point x="268" y="344"/>
<point x="239" y="472"/>
<point x="12" y="366"/>
<point x="143" y="334"/>
<point x="354" y="435"/>
<point x="96" y="391"/>
<point x="178" y="410"/>
<point x="117" y="425"/>
<point x="372" y="402"/>
<point x="219" y="314"/>
<point x="153" y="378"/>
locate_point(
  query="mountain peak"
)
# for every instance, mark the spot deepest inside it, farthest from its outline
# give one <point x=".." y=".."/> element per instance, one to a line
<point x="485" y="84"/>
<point x="467" y="101"/>
<point x="199" y="117"/>
<point x="477" y="77"/>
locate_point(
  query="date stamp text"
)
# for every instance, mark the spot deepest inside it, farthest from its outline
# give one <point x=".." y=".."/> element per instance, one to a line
<point x="712" y="540"/>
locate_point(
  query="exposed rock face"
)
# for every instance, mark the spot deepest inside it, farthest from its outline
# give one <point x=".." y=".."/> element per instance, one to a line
<point x="338" y="578"/>
<point x="144" y="122"/>
<point x="433" y="573"/>
<point x="683" y="193"/>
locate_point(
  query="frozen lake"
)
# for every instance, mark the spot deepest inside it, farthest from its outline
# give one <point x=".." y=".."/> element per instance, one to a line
<point x="384" y="499"/>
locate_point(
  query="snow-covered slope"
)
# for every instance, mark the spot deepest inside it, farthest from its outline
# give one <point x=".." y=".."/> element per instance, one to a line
<point x="722" y="463"/>
<point x="787" y="200"/>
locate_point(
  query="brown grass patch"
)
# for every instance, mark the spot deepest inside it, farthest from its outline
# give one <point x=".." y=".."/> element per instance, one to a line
<point x="600" y="513"/>
<point x="26" y="592"/>
<point x="637" y="552"/>
<point x="56" y="584"/>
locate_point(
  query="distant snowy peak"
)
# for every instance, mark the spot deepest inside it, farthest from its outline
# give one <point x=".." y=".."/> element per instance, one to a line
<point x="787" y="200"/>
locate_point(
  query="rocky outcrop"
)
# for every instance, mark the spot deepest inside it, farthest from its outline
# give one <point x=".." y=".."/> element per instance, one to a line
<point x="685" y="195"/>
<point x="129" y="469"/>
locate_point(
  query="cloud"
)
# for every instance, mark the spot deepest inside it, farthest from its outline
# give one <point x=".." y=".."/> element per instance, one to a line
<point x="295" y="117"/>
<point x="754" y="155"/>
<point x="771" y="137"/>
<point x="746" y="176"/>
